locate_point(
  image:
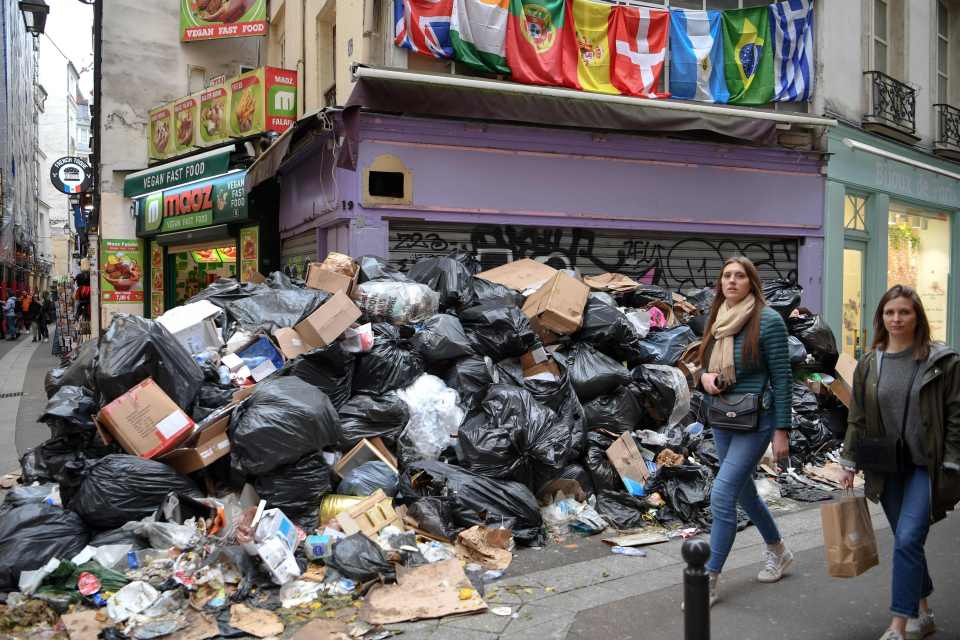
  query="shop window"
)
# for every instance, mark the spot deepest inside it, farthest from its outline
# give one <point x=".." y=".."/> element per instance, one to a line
<point x="855" y="213"/>
<point x="919" y="256"/>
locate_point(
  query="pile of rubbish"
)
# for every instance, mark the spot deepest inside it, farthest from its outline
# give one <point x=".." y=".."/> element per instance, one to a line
<point x="275" y="454"/>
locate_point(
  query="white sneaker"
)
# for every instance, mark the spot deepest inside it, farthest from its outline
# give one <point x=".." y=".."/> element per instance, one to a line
<point x="775" y="565"/>
<point x="919" y="628"/>
<point x="890" y="634"/>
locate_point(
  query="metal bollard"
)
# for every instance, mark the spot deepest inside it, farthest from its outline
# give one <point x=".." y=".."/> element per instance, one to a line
<point x="696" y="590"/>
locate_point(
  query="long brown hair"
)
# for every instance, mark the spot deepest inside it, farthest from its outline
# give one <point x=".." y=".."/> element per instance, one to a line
<point x="921" y="333"/>
<point x="751" y="342"/>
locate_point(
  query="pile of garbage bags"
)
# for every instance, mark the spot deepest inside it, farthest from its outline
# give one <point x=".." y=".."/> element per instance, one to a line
<point x="361" y="425"/>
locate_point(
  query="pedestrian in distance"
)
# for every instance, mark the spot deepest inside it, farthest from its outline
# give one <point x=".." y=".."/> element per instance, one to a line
<point x="744" y="358"/>
<point x="48" y="314"/>
<point x="10" y="315"/>
<point x="33" y="317"/>
<point x="904" y="433"/>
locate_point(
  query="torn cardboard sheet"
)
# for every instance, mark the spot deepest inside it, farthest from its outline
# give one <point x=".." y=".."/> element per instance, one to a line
<point x="326" y="629"/>
<point x="626" y="458"/>
<point x="556" y="308"/>
<point x="84" y="625"/>
<point x="256" y="622"/>
<point x="520" y="274"/>
<point x="487" y="547"/>
<point x="426" y="591"/>
<point x="611" y="282"/>
<point x="199" y="627"/>
<point x="637" y="539"/>
<point x="842" y="387"/>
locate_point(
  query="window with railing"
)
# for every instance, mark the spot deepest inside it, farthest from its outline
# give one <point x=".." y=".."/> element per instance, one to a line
<point x="948" y="125"/>
<point x="943" y="52"/>
<point x="891" y="103"/>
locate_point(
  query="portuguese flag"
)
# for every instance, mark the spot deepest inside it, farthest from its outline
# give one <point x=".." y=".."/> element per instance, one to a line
<point x="748" y="55"/>
<point x="541" y="45"/>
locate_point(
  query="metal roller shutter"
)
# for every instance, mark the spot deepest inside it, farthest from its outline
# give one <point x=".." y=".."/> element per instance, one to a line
<point x="298" y="251"/>
<point x="670" y="260"/>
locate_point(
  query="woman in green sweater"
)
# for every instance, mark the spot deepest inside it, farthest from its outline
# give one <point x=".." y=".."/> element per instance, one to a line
<point x="744" y="351"/>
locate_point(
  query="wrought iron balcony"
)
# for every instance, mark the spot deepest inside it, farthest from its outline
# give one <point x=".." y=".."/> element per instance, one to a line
<point x="947" y="142"/>
<point x="891" y="107"/>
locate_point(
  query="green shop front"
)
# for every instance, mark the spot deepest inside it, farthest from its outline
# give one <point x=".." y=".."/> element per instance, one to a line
<point x="891" y="218"/>
<point x="195" y="225"/>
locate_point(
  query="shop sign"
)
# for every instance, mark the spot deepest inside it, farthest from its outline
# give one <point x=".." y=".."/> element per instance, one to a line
<point x="217" y="201"/>
<point x="121" y="273"/>
<point x="264" y="99"/>
<point x="160" y="143"/>
<point x="71" y="175"/>
<point x="214" y="19"/>
<point x="174" y="174"/>
<point x="156" y="282"/>
<point x="249" y="253"/>
<point x="214" y="109"/>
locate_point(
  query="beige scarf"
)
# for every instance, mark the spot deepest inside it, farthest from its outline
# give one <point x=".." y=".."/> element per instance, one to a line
<point x="729" y="322"/>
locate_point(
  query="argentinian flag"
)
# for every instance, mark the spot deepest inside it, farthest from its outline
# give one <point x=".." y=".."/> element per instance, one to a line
<point x="696" y="56"/>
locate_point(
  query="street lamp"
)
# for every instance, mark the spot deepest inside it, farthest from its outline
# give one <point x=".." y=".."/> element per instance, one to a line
<point x="34" y="15"/>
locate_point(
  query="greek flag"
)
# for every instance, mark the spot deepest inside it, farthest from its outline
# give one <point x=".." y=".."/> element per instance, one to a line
<point x="696" y="56"/>
<point x="791" y="25"/>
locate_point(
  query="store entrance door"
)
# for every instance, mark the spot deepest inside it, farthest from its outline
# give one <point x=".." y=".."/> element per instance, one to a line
<point x="191" y="268"/>
<point x="854" y="333"/>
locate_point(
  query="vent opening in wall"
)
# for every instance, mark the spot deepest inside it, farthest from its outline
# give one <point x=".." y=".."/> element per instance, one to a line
<point x="386" y="184"/>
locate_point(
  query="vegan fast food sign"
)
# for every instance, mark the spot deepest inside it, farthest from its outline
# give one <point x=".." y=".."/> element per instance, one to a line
<point x="201" y="204"/>
<point x="212" y="19"/>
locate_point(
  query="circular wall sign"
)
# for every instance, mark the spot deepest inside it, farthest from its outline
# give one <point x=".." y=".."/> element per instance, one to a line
<point x="71" y="175"/>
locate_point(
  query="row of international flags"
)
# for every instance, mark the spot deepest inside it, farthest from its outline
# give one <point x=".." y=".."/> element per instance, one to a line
<point x="747" y="56"/>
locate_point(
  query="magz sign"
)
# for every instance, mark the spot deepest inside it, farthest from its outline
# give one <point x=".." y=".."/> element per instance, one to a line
<point x="217" y="201"/>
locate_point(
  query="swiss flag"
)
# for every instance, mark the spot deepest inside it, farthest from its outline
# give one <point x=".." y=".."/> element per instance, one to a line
<point x="638" y="40"/>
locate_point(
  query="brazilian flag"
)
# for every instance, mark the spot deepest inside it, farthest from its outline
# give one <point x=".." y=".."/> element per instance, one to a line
<point x="748" y="55"/>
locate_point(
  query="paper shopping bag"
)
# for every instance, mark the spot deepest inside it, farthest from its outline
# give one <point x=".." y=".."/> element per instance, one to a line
<point x="848" y="538"/>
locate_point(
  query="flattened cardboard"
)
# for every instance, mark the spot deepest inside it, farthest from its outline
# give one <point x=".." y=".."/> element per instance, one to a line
<point x="323" y="279"/>
<point x="290" y="342"/>
<point x="145" y="421"/>
<point x="519" y="274"/>
<point x="327" y="323"/>
<point x="625" y="457"/>
<point x="201" y="450"/>
<point x="557" y="306"/>
<point x="842" y="387"/>
<point x="612" y="282"/>
<point x="427" y="591"/>
<point x="365" y="451"/>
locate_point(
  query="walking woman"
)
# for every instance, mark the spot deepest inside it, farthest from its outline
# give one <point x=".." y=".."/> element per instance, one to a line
<point x="745" y="359"/>
<point x="904" y="433"/>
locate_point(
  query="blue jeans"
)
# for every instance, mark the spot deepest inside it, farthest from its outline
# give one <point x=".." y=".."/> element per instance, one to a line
<point x="739" y="454"/>
<point x="12" y="331"/>
<point x="906" y="501"/>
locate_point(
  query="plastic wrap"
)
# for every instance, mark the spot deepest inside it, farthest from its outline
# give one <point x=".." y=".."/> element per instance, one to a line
<point x="616" y="412"/>
<point x="450" y="278"/>
<point x="367" y="478"/>
<point x="365" y="416"/>
<point x="282" y="420"/>
<point x="397" y="302"/>
<point x="441" y="338"/>
<point x="662" y="392"/>
<point x="391" y="363"/>
<point x="498" y="331"/>
<point x="435" y="415"/>
<point x="32" y="534"/>
<point x="594" y="374"/>
<point x="297" y="489"/>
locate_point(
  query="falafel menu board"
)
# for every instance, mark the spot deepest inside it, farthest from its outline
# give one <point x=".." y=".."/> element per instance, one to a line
<point x="220" y="200"/>
<point x="121" y="271"/>
<point x="213" y="19"/>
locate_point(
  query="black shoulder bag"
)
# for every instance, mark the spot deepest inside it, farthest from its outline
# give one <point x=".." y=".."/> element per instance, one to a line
<point x="883" y="454"/>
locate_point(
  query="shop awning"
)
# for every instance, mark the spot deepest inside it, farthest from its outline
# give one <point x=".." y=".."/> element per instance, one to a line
<point x="451" y="96"/>
<point x="172" y="174"/>
<point x="316" y="124"/>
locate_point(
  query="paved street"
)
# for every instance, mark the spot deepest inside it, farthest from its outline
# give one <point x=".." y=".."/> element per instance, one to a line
<point x="23" y="365"/>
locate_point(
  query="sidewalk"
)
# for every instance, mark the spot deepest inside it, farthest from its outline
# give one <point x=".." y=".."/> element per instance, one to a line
<point x="15" y="363"/>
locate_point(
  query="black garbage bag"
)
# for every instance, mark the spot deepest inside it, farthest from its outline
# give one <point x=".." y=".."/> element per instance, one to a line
<point x="475" y="499"/>
<point x="698" y="324"/>
<point x="297" y="489"/>
<point x="609" y="330"/>
<point x="366" y="416"/>
<point x="469" y="260"/>
<point x="514" y="437"/>
<point x="441" y="338"/>
<point x="685" y="489"/>
<point x="79" y="373"/>
<point x="783" y="295"/>
<point x="645" y="294"/>
<point x="578" y="472"/>
<point x="210" y="398"/>
<point x="798" y="352"/>
<point x="510" y="371"/>
<point x="818" y="339"/>
<point x="706" y="450"/>
<point x="269" y="309"/>
<point x="804" y="401"/>
<point x="134" y="349"/>
<point x="601" y="471"/>
<point x="616" y="412"/>
<point x="487" y="291"/>
<point x="622" y="510"/>
<point x="391" y="364"/>
<point x="28" y="494"/>
<point x="69" y="410"/>
<point x="594" y="374"/>
<point x="657" y="393"/>
<point x="224" y="290"/>
<point x="665" y="347"/>
<point x="118" y="536"/>
<point x="448" y="277"/>
<point x="32" y="534"/>
<point x="498" y="331"/>
<point x="376" y="268"/>
<point x="559" y="395"/>
<point x="62" y="459"/>
<point x="367" y="478"/>
<point x="120" y="488"/>
<point x="435" y="516"/>
<point x="795" y="490"/>
<point x="329" y="369"/>
<point x="700" y="298"/>
<point x="470" y="377"/>
<point x="283" y="420"/>
<point x="359" y="558"/>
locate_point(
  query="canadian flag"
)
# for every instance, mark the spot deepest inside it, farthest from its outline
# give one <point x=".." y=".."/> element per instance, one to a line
<point x="639" y="38"/>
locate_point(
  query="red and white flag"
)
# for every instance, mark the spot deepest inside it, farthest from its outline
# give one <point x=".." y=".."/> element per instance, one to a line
<point x="639" y="39"/>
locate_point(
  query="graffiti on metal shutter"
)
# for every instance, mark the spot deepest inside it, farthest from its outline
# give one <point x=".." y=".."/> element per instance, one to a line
<point x="674" y="260"/>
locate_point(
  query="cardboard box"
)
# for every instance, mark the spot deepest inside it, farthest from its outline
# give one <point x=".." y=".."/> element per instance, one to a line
<point x="193" y="326"/>
<point x="842" y="387"/>
<point x="325" y="280"/>
<point x="232" y="362"/>
<point x="327" y="323"/>
<point x="366" y="451"/>
<point x="520" y="274"/>
<point x="262" y="370"/>
<point x="207" y="445"/>
<point x="291" y="345"/>
<point x="538" y="361"/>
<point x="145" y="421"/>
<point x="625" y="457"/>
<point x="557" y="307"/>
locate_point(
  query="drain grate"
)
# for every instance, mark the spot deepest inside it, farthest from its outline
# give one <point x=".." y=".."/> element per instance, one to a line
<point x="15" y="394"/>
